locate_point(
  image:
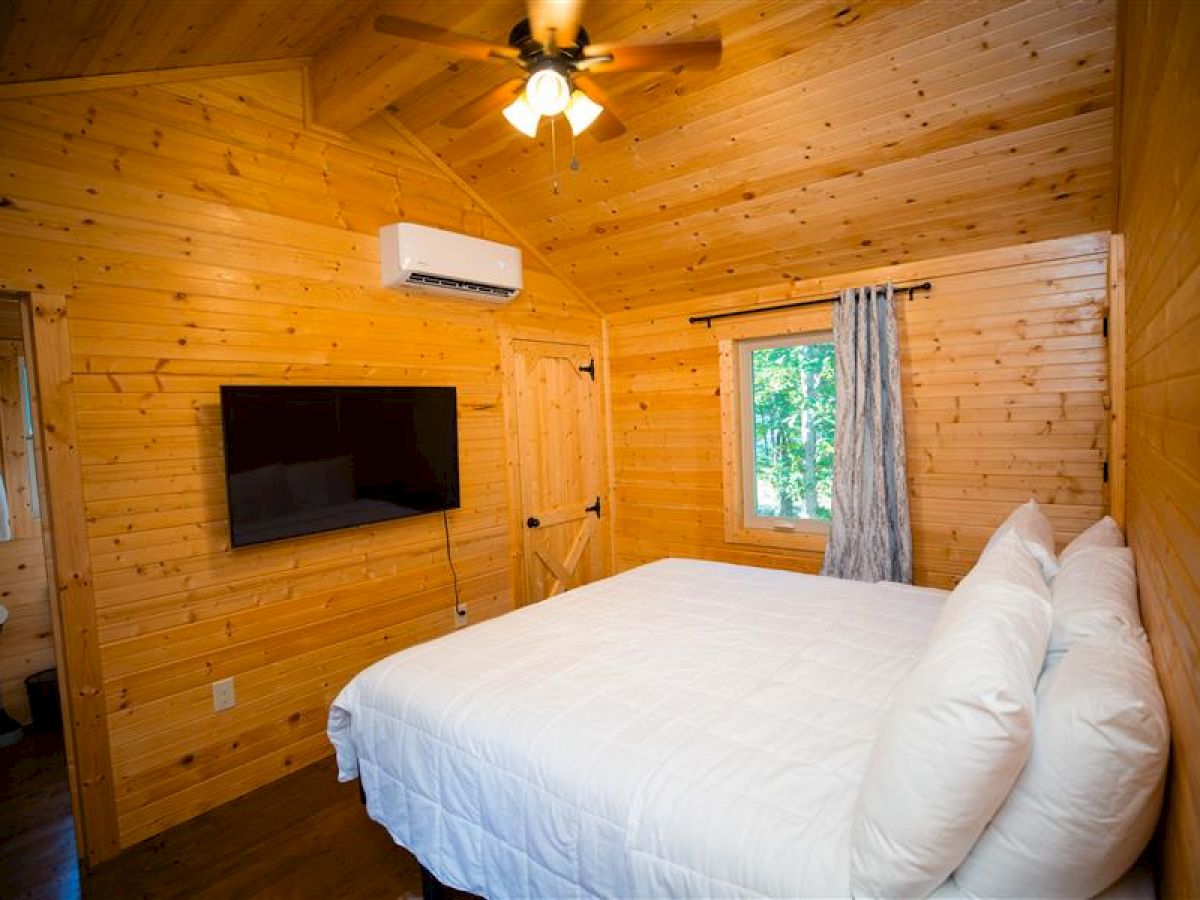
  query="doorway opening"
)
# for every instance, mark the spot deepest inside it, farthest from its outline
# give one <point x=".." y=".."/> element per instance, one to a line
<point x="38" y="840"/>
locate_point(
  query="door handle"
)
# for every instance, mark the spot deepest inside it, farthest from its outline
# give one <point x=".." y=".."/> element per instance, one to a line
<point x="532" y="522"/>
<point x="595" y="507"/>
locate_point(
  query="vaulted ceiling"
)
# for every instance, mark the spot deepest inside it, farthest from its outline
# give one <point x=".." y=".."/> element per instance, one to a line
<point x="63" y="38"/>
<point x="834" y="135"/>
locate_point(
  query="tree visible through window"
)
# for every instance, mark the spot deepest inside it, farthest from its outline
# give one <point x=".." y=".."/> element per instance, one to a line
<point x="793" y="408"/>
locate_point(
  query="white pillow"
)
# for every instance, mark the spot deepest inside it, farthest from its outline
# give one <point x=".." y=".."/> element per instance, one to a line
<point x="1008" y="557"/>
<point x="1088" y="799"/>
<point x="1105" y="533"/>
<point x="1032" y="526"/>
<point x="1005" y="558"/>
<point x="954" y="740"/>
<point x="1095" y="592"/>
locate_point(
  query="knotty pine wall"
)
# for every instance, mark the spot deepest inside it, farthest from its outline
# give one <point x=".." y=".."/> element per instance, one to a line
<point x="27" y="642"/>
<point x="1159" y="215"/>
<point x="205" y="237"/>
<point x="1004" y="379"/>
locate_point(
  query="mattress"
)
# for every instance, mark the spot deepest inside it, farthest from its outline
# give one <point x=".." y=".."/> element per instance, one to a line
<point x="684" y="728"/>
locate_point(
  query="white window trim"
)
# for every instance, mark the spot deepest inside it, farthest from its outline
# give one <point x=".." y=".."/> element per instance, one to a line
<point x="742" y="524"/>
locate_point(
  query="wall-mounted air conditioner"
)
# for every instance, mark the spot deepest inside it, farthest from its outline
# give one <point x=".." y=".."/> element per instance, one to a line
<point x="419" y="257"/>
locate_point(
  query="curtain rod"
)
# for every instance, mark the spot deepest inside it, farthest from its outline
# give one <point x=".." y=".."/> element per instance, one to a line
<point x="755" y="310"/>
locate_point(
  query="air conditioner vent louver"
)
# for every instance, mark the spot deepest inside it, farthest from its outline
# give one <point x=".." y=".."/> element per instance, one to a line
<point x="418" y="257"/>
<point x="459" y="285"/>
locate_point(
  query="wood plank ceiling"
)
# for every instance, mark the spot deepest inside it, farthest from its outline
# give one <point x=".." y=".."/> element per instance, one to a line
<point x="835" y="136"/>
<point x="64" y="38"/>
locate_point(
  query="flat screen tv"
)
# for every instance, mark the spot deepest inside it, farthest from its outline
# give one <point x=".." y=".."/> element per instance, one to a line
<point x="300" y="460"/>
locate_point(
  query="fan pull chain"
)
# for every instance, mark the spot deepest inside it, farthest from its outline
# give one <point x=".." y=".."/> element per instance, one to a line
<point x="574" y="155"/>
<point x="554" y="153"/>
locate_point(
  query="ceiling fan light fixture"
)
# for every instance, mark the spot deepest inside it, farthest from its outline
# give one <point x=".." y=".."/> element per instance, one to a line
<point x="522" y="116"/>
<point x="548" y="91"/>
<point x="581" y="111"/>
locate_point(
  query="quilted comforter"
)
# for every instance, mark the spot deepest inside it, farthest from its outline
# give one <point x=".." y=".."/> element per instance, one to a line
<point x="684" y="728"/>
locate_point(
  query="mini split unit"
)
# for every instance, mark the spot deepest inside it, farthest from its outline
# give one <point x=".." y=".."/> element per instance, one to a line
<point x="429" y="259"/>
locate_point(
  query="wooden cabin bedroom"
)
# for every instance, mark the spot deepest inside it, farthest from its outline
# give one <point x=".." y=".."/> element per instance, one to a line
<point x="691" y="448"/>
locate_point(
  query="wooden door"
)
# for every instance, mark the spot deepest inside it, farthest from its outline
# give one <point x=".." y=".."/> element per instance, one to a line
<point x="559" y="464"/>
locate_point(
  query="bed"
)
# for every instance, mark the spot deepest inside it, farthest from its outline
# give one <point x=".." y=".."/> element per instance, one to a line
<point x="701" y="729"/>
<point x="684" y="728"/>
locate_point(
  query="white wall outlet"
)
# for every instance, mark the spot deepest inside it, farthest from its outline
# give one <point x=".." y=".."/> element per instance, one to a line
<point x="223" y="696"/>
<point x="460" y="616"/>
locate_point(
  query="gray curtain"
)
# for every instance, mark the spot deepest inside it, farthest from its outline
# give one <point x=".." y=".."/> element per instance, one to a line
<point x="870" y="538"/>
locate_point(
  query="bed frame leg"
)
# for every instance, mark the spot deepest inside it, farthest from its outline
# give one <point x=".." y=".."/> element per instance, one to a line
<point x="431" y="888"/>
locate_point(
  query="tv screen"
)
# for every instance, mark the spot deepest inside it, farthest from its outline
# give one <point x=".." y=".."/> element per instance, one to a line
<point x="300" y="460"/>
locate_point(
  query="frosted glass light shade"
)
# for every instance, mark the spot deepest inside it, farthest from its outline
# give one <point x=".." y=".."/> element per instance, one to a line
<point x="522" y="116"/>
<point x="548" y="92"/>
<point x="582" y="111"/>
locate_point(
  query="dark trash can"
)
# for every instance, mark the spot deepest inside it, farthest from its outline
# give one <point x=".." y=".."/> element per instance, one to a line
<point x="44" y="708"/>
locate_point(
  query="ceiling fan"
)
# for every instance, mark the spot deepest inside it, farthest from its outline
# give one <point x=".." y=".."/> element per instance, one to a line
<point x="558" y="60"/>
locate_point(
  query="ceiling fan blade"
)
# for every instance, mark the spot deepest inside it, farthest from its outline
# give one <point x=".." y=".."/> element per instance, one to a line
<point x="558" y="16"/>
<point x="652" y="57"/>
<point x="440" y="37"/>
<point x="486" y="103"/>
<point x="607" y="126"/>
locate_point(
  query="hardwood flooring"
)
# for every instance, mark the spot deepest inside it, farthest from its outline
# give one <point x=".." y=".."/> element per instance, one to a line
<point x="305" y="836"/>
<point x="37" y="836"/>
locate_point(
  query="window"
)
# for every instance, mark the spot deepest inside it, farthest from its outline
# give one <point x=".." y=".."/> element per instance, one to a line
<point x="779" y="406"/>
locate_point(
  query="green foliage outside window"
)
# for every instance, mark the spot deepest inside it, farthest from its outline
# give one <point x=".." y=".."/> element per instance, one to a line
<point x="795" y="405"/>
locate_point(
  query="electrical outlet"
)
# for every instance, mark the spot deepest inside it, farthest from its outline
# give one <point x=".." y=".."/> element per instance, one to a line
<point x="223" y="696"/>
<point x="460" y="616"/>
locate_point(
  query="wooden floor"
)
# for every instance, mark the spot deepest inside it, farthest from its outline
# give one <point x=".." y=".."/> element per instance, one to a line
<point x="37" y="838"/>
<point x="304" y="836"/>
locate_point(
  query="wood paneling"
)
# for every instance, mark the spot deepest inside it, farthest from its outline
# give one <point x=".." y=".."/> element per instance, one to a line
<point x="26" y="644"/>
<point x="75" y="84"/>
<point x="63" y="38"/>
<point x="358" y="73"/>
<point x="204" y="236"/>
<point x="1160" y="219"/>
<point x="1004" y="376"/>
<point x="73" y="595"/>
<point x="833" y="137"/>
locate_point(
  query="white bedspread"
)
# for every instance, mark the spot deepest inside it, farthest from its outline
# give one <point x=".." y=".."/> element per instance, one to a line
<point x="685" y="728"/>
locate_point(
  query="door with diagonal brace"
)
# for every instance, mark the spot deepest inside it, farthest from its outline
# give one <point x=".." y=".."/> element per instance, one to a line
<point x="559" y="459"/>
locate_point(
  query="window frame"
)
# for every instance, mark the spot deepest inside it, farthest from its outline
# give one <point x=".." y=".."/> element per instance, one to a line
<point x="743" y="524"/>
